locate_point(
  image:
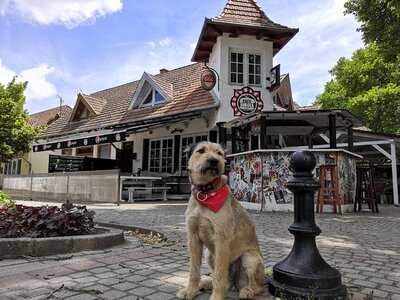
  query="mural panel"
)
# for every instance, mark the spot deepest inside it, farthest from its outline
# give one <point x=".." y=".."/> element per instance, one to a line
<point x="261" y="177"/>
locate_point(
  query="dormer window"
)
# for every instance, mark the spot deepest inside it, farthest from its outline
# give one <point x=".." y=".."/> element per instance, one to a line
<point x="152" y="98"/>
<point x="244" y="68"/>
<point x="150" y="93"/>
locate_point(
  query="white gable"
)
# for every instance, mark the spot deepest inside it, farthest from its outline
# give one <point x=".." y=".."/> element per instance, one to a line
<point x="148" y="89"/>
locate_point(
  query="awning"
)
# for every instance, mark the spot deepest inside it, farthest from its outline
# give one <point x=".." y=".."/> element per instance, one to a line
<point x="90" y="140"/>
<point x="315" y="118"/>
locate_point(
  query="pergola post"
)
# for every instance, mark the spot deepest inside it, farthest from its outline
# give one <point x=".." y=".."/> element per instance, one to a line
<point x="263" y="133"/>
<point x="234" y="139"/>
<point x="332" y="131"/>
<point x="394" y="174"/>
<point x="350" y="138"/>
<point x="222" y="134"/>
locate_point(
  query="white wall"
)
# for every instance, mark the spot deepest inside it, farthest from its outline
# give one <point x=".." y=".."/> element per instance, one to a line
<point x="219" y="60"/>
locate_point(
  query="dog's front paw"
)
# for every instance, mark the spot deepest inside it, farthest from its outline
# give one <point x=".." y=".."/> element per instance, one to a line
<point x="246" y="293"/>
<point x="206" y="284"/>
<point x="217" y="296"/>
<point x="187" y="294"/>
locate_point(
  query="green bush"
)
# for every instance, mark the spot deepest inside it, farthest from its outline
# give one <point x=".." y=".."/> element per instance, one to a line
<point x="5" y="200"/>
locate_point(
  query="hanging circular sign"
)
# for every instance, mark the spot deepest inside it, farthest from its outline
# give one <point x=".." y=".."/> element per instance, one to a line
<point x="208" y="79"/>
<point x="246" y="101"/>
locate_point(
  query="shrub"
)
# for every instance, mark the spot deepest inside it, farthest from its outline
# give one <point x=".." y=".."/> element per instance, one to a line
<point x="5" y="200"/>
<point x="40" y="222"/>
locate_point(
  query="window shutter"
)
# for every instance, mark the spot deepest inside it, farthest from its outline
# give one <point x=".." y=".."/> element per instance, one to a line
<point x="213" y="136"/>
<point x="177" y="150"/>
<point x="145" y="157"/>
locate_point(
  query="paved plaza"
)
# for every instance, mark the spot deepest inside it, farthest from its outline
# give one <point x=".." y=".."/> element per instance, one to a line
<point x="364" y="247"/>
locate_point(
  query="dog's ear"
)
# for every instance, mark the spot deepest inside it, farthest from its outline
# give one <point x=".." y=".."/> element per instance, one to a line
<point x="189" y="150"/>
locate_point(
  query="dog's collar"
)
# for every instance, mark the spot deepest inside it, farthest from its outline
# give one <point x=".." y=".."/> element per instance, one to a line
<point x="211" y="197"/>
<point x="209" y="187"/>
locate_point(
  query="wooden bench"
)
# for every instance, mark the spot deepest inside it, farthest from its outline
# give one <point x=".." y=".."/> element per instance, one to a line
<point x="132" y="190"/>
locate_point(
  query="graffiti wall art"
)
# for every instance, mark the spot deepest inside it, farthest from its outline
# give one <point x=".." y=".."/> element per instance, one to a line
<point x="261" y="177"/>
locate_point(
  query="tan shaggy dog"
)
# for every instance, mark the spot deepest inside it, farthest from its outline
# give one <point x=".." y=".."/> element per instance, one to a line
<point x="228" y="234"/>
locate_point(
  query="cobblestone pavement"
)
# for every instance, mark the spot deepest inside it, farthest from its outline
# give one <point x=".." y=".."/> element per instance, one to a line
<point x="364" y="247"/>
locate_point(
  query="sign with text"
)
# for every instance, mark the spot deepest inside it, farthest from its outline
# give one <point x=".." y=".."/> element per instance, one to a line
<point x="246" y="101"/>
<point x="208" y="79"/>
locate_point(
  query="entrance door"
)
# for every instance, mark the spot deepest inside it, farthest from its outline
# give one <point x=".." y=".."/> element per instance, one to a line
<point x="125" y="157"/>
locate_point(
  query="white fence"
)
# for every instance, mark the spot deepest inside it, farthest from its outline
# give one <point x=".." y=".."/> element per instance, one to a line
<point x="96" y="186"/>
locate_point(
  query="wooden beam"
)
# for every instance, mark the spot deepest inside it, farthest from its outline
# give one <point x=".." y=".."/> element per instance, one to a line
<point x="350" y="139"/>
<point x="263" y="133"/>
<point x="332" y="131"/>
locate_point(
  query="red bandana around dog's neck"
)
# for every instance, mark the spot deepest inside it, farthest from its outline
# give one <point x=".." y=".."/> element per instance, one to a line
<point x="213" y="200"/>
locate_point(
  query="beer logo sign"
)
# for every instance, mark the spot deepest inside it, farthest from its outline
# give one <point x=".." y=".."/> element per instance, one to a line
<point x="246" y="101"/>
<point x="208" y="79"/>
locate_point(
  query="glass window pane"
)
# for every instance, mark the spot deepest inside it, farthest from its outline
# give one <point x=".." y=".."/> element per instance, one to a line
<point x="233" y="56"/>
<point x="240" y="68"/>
<point x="251" y="59"/>
<point x="233" y="67"/>
<point x="258" y="59"/>
<point x="240" y="78"/>
<point x="258" y="69"/>
<point x="240" y="57"/>
<point x="149" y="98"/>
<point x="258" y="79"/>
<point x="251" y="79"/>
<point x="233" y="77"/>
<point x="158" y="98"/>
<point x="251" y="69"/>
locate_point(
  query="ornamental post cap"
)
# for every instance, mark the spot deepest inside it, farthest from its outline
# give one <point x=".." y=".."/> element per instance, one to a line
<point x="303" y="162"/>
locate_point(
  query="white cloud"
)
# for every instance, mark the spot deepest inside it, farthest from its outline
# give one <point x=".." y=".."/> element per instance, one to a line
<point x="69" y="13"/>
<point x="165" y="42"/>
<point x="39" y="87"/>
<point x="6" y="74"/>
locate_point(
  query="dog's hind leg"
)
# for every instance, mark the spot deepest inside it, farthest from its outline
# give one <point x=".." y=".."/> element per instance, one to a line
<point x="206" y="283"/>
<point x="196" y="254"/>
<point x="252" y="263"/>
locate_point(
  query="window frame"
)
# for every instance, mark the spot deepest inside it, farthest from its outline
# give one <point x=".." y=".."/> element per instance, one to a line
<point x="153" y="98"/>
<point x="182" y="149"/>
<point x="237" y="51"/>
<point x="246" y="66"/>
<point x="160" y="167"/>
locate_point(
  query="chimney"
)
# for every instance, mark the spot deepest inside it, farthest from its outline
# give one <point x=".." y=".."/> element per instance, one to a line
<point x="163" y="71"/>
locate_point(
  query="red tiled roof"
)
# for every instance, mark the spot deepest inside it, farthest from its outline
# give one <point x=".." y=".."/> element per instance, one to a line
<point x="241" y="17"/>
<point x="246" y="12"/>
<point x="44" y="118"/>
<point x="97" y="104"/>
<point x="185" y="87"/>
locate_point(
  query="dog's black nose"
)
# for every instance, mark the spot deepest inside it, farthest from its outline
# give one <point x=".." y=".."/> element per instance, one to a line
<point x="213" y="162"/>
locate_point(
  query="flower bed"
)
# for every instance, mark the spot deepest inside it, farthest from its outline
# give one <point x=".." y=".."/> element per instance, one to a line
<point x="41" y="222"/>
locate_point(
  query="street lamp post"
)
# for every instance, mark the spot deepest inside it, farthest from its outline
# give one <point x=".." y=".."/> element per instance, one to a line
<point x="304" y="273"/>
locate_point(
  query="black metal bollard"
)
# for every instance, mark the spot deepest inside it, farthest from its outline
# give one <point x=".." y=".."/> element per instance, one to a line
<point x="304" y="273"/>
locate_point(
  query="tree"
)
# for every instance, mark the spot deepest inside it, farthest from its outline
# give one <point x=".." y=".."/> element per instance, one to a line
<point x="368" y="85"/>
<point x="16" y="135"/>
<point x="380" y="22"/>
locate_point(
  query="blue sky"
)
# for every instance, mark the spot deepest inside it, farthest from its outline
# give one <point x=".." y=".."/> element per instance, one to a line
<point x="65" y="46"/>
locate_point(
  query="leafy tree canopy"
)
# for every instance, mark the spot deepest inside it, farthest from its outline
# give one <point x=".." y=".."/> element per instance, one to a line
<point x="16" y="135"/>
<point x="380" y="22"/>
<point x="368" y="85"/>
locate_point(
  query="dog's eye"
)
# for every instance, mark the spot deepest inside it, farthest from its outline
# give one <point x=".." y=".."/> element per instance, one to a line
<point x="201" y="151"/>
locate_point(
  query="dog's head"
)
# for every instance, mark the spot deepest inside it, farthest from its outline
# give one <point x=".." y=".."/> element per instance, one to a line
<point x="207" y="161"/>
